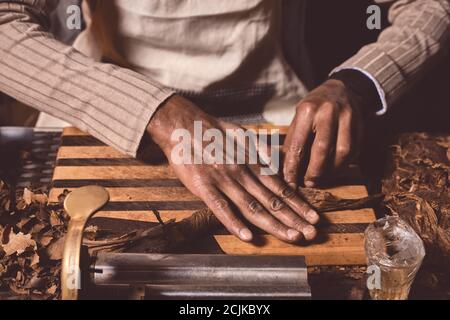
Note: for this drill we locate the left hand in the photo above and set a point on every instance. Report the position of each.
(329, 122)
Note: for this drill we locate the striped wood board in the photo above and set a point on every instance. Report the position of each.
(136, 187)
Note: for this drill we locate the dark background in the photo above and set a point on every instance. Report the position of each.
(336, 30)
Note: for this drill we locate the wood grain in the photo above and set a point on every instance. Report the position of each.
(341, 249)
(136, 188)
(338, 217)
(113, 172)
(82, 152)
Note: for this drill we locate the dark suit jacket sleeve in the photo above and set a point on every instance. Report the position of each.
(418, 35)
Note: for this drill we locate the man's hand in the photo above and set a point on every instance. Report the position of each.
(263, 200)
(329, 126)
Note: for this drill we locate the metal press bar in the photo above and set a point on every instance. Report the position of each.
(198, 270)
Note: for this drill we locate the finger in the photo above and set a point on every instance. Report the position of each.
(276, 206)
(277, 186)
(221, 208)
(255, 213)
(358, 131)
(344, 140)
(325, 139)
(294, 147)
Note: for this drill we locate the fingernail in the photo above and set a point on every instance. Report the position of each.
(245, 234)
(293, 234)
(309, 184)
(312, 216)
(310, 232)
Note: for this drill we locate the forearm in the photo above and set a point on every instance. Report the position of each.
(418, 35)
(111, 103)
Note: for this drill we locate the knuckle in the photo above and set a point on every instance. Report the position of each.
(321, 117)
(290, 176)
(295, 151)
(343, 151)
(347, 113)
(235, 169)
(307, 107)
(276, 204)
(198, 180)
(327, 107)
(255, 207)
(326, 112)
(321, 146)
(287, 193)
(220, 204)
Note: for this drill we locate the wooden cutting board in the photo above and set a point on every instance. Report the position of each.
(136, 188)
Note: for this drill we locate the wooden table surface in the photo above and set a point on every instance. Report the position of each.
(136, 187)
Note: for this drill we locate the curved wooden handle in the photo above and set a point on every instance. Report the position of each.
(70, 272)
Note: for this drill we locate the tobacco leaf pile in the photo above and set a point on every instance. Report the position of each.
(31, 246)
(417, 183)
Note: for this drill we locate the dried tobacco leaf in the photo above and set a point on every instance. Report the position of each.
(45, 240)
(417, 182)
(36, 282)
(29, 197)
(52, 289)
(56, 249)
(18, 243)
(55, 219)
(27, 233)
(35, 260)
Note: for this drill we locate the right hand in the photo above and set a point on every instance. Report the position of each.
(266, 201)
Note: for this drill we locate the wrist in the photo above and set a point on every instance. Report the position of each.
(336, 85)
(175, 113)
(361, 90)
(160, 125)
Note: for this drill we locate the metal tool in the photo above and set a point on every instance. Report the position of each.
(205, 276)
(80, 204)
(171, 276)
